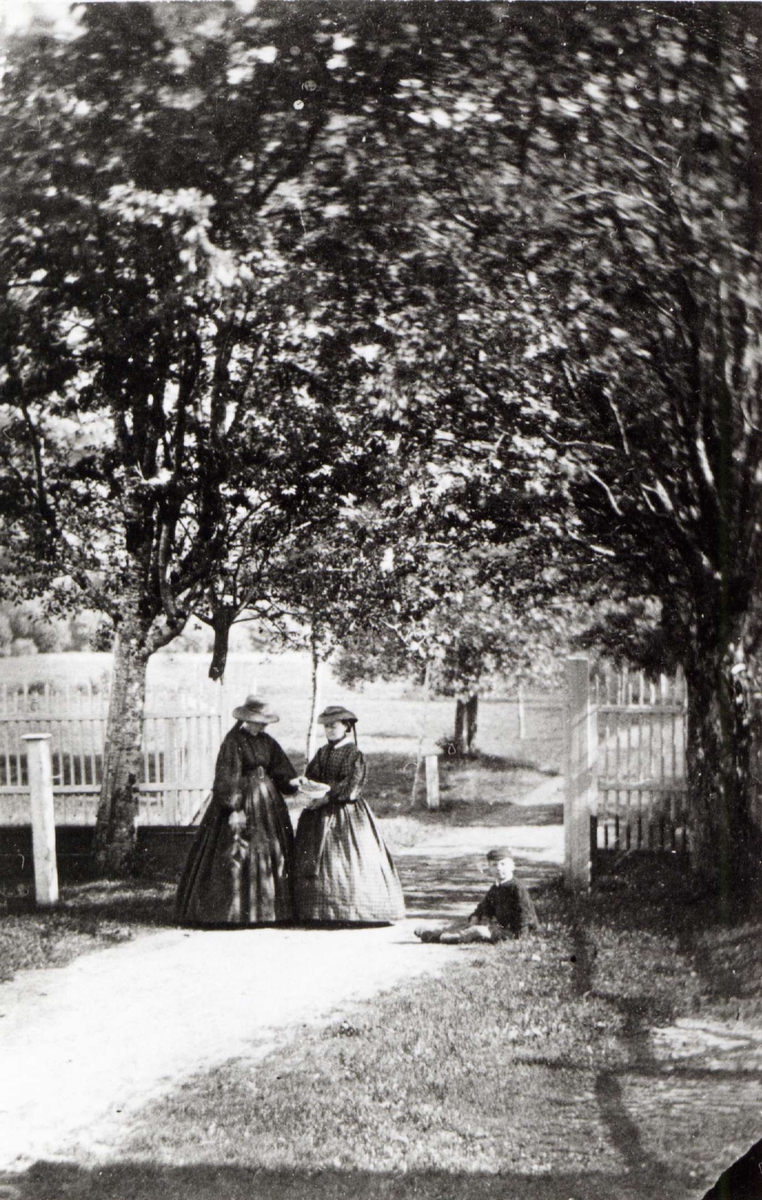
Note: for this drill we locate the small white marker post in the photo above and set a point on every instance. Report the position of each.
(40, 772)
(432, 780)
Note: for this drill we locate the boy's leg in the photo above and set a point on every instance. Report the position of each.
(462, 937)
(439, 933)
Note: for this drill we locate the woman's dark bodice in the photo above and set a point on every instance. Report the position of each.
(240, 756)
(343, 767)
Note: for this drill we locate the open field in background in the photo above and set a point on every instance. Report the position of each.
(394, 712)
(66, 695)
(393, 717)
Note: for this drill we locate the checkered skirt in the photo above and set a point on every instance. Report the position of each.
(343, 870)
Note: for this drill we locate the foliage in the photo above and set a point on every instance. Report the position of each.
(24, 629)
(269, 268)
(165, 411)
(608, 210)
(168, 422)
(205, 309)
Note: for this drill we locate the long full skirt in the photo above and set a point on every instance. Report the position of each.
(344, 871)
(246, 879)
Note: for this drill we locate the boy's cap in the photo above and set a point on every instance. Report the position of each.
(498, 853)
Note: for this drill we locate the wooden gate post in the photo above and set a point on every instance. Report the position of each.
(40, 771)
(581, 780)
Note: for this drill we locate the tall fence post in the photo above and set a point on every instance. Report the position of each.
(40, 771)
(432, 780)
(581, 780)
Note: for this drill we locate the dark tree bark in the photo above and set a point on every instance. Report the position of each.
(464, 735)
(728, 842)
(472, 712)
(223, 621)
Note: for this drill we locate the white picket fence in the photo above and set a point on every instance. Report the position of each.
(183, 724)
(625, 769)
(640, 761)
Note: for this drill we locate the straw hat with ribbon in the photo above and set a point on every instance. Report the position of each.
(336, 712)
(255, 709)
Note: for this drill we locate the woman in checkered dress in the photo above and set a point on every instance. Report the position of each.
(344, 872)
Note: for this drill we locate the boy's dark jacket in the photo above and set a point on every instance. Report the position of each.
(510, 905)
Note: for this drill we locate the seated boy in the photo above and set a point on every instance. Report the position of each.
(506, 911)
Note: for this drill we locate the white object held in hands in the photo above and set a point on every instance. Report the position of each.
(311, 790)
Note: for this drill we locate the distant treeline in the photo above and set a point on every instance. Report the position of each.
(25, 629)
(29, 629)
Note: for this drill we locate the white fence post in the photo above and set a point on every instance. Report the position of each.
(581, 779)
(432, 780)
(40, 772)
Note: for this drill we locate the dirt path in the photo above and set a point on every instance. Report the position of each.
(84, 1047)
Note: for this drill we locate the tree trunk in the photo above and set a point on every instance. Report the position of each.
(459, 733)
(118, 803)
(421, 732)
(317, 682)
(466, 713)
(472, 713)
(223, 620)
(727, 842)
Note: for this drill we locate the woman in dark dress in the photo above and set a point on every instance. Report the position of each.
(240, 867)
(344, 872)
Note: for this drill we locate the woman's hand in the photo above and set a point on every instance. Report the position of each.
(237, 821)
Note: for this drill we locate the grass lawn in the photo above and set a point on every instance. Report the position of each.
(529, 1070)
(90, 916)
(465, 785)
(525, 1071)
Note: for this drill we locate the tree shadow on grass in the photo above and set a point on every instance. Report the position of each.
(140, 1181)
(501, 814)
(497, 762)
(655, 894)
(104, 901)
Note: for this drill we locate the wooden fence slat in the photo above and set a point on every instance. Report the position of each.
(178, 758)
(641, 761)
